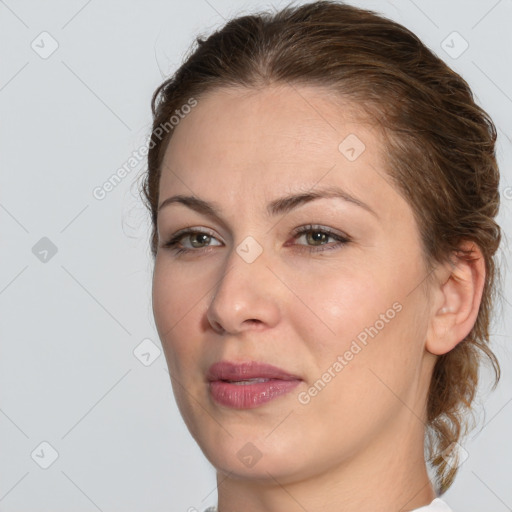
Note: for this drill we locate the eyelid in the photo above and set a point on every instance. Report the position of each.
(319, 227)
(195, 229)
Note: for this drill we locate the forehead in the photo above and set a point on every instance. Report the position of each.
(290, 132)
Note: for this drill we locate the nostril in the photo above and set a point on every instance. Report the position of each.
(217, 327)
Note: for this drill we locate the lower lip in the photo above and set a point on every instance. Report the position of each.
(249, 396)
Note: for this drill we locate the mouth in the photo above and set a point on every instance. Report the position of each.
(246, 381)
(248, 385)
(247, 371)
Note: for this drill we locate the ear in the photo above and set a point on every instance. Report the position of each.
(456, 297)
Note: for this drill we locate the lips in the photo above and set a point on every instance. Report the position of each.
(247, 372)
(248, 385)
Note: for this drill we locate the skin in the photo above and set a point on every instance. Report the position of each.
(358, 444)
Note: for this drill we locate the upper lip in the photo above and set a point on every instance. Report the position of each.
(231, 371)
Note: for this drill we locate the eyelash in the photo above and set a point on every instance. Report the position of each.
(341, 239)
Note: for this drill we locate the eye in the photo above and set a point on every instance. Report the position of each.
(188, 240)
(317, 238)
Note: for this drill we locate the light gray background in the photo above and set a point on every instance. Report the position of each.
(69, 325)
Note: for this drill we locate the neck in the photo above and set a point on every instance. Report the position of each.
(390, 475)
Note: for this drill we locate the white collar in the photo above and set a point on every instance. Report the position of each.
(437, 505)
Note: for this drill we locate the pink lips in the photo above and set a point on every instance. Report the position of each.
(248, 385)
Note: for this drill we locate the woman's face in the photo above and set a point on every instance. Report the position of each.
(327, 286)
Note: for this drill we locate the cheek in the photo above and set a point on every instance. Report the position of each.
(174, 292)
(342, 305)
(176, 304)
(374, 353)
(367, 306)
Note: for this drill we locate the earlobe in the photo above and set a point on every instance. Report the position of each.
(456, 299)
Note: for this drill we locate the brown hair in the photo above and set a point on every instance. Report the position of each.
(441, 150)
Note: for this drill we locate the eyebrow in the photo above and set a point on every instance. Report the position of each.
(276, 207)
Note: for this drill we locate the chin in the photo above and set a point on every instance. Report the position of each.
(255, 457)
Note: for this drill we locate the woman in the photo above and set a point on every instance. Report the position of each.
(323, 192)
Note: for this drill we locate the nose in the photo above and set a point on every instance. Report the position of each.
(245, 297)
